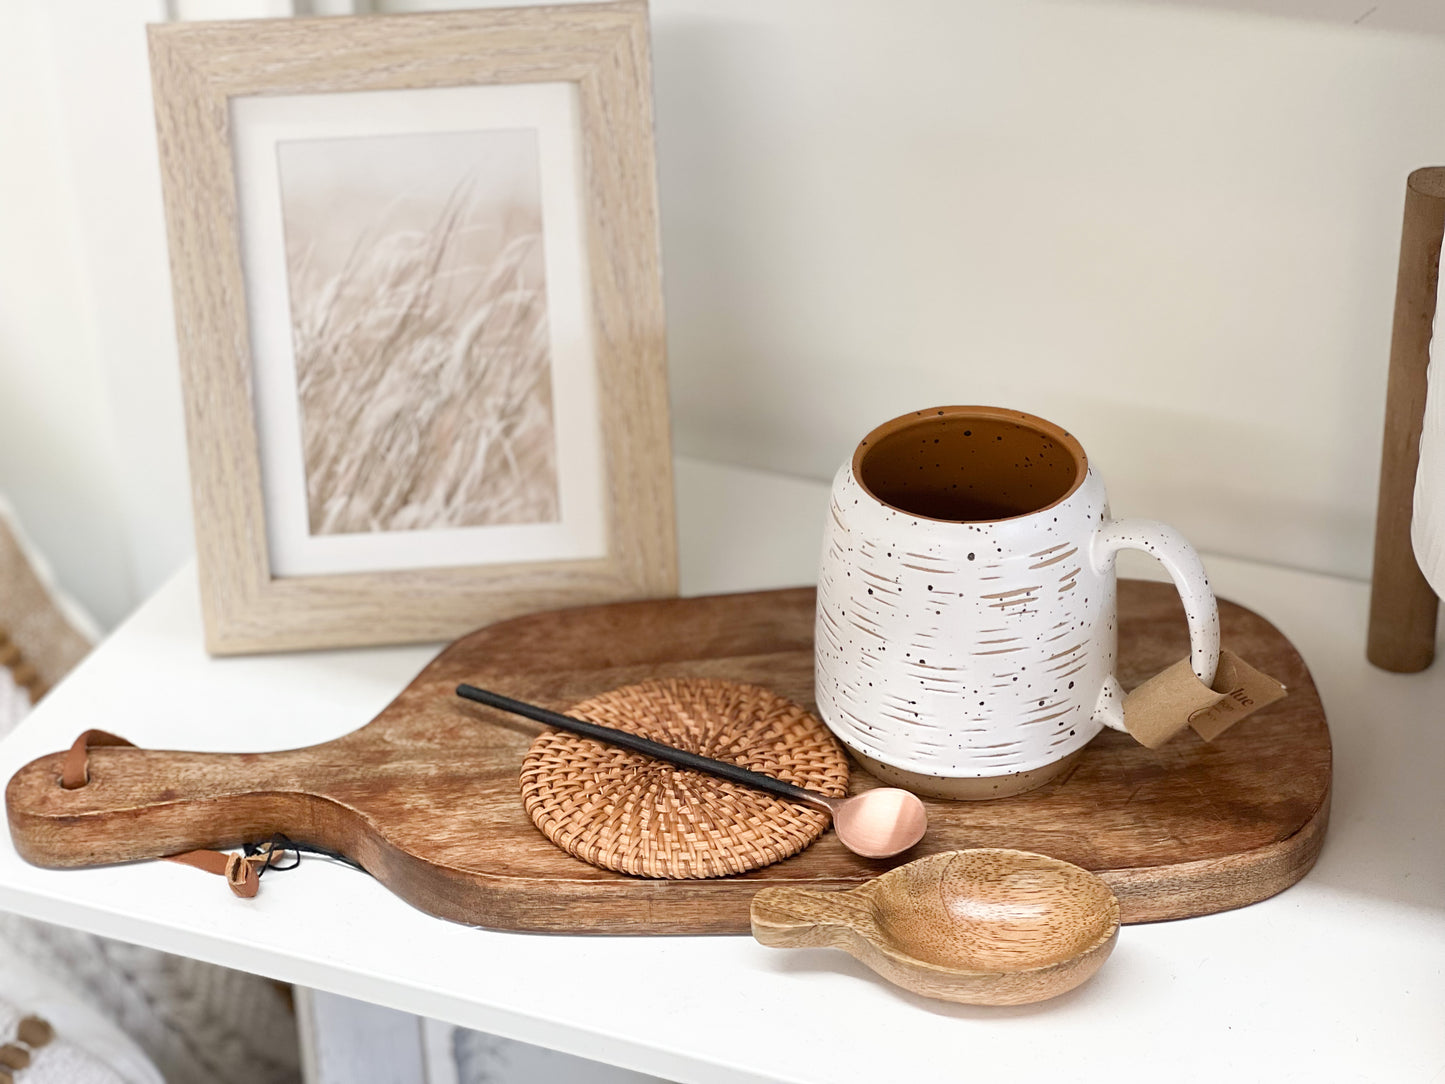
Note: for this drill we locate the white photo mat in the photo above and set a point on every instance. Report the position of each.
(260, 124)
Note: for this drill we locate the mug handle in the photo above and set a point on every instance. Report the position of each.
(1168, 546)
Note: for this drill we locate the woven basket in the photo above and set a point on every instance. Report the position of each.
(627, 812)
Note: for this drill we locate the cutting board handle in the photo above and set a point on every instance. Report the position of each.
(149, 803)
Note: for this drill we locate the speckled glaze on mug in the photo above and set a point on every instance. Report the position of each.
(966, 626)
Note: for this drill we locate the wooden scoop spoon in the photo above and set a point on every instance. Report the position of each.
(878, 823)
(984, 927)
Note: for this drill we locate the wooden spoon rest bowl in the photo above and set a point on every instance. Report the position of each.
(984, 927)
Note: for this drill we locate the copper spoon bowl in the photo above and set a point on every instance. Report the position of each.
(878, 823)
(982, 927)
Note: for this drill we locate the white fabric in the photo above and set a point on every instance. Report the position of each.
(87, 1048)
(61, 1063)
(1427, 526)
(199, 1023)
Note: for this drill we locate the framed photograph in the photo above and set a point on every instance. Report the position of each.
(419, 308)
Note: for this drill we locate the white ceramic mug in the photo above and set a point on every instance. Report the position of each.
(966, 624)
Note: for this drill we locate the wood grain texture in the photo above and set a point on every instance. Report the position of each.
(426, 796)
(197, 68)
(1403, 606)
(982, 927)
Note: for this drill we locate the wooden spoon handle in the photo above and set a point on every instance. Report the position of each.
(143, 803)
(803, 918)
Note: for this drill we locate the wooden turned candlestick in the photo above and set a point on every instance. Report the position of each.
(1403, 606)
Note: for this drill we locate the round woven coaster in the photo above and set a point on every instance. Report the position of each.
(630, 813)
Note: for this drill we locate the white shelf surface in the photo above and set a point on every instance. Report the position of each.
(1340, 978)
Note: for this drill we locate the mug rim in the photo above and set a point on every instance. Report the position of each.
(913, 418)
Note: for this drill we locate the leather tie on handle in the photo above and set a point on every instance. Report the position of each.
(242, 872)
(75, 772)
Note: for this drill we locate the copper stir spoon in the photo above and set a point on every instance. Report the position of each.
(878, 823)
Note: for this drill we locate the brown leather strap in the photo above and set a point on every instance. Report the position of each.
(210, 861)
(75, 772)
(242, 873)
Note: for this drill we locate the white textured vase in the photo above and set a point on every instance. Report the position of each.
(967, 652)
(1427, 525)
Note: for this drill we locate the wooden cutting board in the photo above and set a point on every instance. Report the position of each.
(426, 797)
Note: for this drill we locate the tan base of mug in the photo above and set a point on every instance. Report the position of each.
(971, 789)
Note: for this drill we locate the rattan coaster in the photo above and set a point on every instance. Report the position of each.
(630, 813)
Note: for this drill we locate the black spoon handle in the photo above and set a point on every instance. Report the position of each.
(646, 746)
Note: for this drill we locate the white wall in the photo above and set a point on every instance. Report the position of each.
(1172, 231)
(57, 443)
(1170, 227)
(101, 71)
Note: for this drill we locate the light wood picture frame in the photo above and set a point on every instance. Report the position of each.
(304, 539)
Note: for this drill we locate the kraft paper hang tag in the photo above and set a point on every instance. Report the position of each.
(1245, 690)
(1174, 699)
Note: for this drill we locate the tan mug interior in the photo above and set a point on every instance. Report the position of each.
(969, 464)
